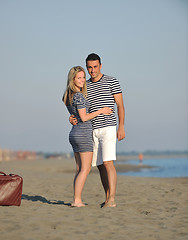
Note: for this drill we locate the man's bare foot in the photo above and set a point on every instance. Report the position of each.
(110, 204)
(77, 205)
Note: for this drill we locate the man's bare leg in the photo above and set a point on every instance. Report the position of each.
(104, 180)
(112, 182)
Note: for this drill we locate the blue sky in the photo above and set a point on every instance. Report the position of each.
(142, 43)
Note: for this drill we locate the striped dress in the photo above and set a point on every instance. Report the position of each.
(80, 136)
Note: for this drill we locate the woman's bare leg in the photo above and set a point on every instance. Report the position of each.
(78, 166)
(84, 163)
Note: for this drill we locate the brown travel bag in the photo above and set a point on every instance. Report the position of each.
(10, 189)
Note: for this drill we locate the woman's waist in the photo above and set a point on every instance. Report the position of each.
(83, 124)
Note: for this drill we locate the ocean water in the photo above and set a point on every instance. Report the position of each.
(161, 168)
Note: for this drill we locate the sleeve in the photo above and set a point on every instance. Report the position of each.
(79, 100)
(115, 86)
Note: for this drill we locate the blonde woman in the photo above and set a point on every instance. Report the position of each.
(80, 137)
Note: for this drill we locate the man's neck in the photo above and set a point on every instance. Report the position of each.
(97, 78)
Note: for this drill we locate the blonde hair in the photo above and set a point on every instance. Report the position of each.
(71, 89)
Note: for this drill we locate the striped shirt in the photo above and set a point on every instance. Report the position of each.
(100, 94)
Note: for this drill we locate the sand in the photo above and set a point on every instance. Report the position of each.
(147, 208)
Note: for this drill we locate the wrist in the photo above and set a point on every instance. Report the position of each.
(100, 111)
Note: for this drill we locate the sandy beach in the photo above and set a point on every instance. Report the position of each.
(147, 208)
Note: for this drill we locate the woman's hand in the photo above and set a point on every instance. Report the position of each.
(88, 116)
(106, 110)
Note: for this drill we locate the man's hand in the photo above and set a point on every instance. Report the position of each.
(120, 133)
(73, 120)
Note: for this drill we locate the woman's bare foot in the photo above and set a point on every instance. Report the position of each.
(78, 205)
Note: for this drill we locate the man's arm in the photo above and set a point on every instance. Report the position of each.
(73, 120)
(121, 116)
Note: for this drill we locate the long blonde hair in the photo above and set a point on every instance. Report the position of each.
(71, 89)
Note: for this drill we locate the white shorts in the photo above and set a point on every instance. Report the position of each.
(104, 145)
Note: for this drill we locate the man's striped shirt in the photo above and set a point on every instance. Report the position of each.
(100, 94)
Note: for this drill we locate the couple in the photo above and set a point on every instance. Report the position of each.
(93, 135)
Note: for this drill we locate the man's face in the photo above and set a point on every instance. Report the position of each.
(94, 69)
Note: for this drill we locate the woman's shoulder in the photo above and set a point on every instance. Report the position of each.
(78, 97)
(78, 94)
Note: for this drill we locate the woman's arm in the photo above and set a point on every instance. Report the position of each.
(88, 116)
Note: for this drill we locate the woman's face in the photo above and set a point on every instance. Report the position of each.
(79, 80)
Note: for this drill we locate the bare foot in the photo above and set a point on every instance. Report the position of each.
(110, 204)
(77, 205)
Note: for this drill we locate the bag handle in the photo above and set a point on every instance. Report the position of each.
(11, 174)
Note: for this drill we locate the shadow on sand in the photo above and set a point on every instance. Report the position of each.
(43, 200)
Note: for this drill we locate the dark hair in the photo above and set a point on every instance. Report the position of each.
(93, 57)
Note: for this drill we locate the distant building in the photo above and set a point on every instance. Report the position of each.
(10, 155)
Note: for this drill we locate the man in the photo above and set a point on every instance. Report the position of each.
(105, 91)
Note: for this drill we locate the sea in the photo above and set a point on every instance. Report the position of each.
(161, 168)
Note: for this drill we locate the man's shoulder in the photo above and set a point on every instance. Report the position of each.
(107, 77)
(110, 80)
(88, 81)
(104, 77)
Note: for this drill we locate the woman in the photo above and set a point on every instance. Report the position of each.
(80, 137)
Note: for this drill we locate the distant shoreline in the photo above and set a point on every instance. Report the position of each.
(150, 156)
(120, 156)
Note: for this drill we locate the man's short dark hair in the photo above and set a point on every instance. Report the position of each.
(93, 57)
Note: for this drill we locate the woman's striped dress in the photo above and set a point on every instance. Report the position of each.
(80, 136)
